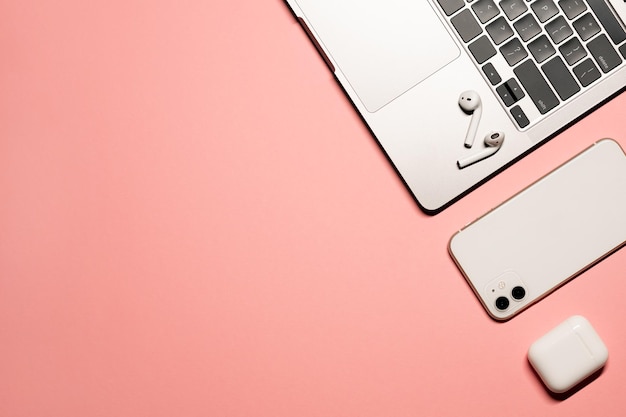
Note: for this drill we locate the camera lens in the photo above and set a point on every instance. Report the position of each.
(502, 303)
(518, 293)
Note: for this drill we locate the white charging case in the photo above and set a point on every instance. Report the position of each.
(568, 354)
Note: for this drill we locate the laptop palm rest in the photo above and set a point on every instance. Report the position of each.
(382, 47)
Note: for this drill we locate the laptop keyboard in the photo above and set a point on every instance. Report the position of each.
(539, 54)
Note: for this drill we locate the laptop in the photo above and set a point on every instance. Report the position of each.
(412, 67)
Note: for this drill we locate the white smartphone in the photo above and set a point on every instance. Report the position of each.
(547, 233)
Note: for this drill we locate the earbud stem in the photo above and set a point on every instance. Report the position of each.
(473, 127)
(472, 159)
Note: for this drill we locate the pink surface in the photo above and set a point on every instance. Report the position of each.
(194, 222)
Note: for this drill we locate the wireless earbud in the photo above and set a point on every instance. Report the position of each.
(470, 103)
(493, 141)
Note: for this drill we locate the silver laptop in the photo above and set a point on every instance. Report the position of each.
(455, 90)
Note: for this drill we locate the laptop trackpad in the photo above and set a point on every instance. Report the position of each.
(383, 47)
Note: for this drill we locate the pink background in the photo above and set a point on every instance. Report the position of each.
(195, 222)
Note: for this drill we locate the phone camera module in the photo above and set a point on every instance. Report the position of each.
(502, 303)
(518, 293)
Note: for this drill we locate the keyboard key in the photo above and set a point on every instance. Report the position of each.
(604, 53)
(466, 24)
(485, 10)
(573, 51)
(515, 89)
(622, 49)
(527, 27)
(510, 92)
(499, 30)
(536, 86)
(572, 8)
(491, 73)
(513, 8)
(587, 27)
(513, 52)
(505, 95)
(560, 78)
(608, 21)
(544, 10)
(587, 72)
(541, 48)
(451, 6)
(482, 49)
(559, 30)
(520, 117)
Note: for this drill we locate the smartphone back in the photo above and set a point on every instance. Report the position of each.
(548, 233)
